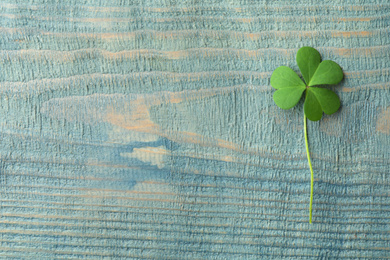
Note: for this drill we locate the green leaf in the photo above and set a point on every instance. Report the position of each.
(290, 87)
(288, 97)
(329, 100)
(308, 60)
(328, 72)
(312, 107)
(285, 77)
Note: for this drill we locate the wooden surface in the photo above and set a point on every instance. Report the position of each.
(146, 130)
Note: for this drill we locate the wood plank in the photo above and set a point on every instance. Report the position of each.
(147, 130)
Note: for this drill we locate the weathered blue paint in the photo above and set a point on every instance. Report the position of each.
(146, 129)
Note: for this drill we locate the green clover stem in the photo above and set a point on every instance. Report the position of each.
(311, 168)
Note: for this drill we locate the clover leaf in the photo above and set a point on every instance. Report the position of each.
(290, 87)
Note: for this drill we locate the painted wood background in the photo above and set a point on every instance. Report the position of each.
(145, 129)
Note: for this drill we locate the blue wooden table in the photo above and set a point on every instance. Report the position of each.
(147, 130)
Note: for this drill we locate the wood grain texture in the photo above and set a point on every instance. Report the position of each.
(147, 130)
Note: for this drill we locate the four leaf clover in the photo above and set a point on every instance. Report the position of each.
(290, 87)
